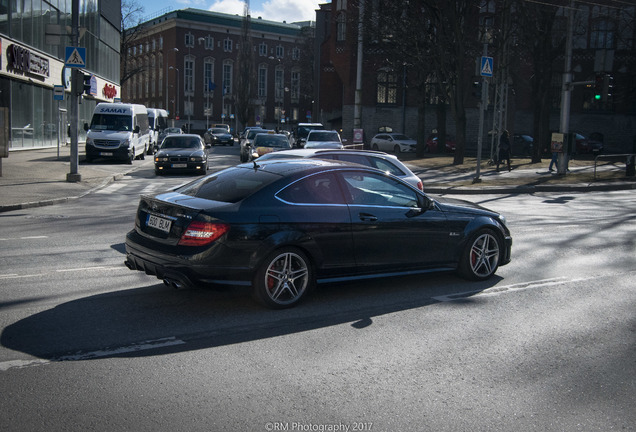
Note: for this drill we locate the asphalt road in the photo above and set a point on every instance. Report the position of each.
(548, 344)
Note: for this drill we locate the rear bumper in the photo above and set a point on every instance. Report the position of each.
(186, 270)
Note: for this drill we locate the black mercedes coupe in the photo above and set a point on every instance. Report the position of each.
(281, 226)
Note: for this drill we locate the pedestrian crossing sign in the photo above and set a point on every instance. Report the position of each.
(486, 66)
(75, 57)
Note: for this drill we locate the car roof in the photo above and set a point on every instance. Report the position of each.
(306, 153)
(186, 136)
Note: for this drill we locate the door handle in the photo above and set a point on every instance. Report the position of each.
(367, 217)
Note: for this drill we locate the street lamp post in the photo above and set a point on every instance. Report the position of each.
(166, 77)
(177, 107)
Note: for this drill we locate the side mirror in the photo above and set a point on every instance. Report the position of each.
(86, 127)
(137, 129)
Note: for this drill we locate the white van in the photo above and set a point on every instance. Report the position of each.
(157, 122)
(118, 131)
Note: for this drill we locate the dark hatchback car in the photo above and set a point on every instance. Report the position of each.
(218, 136)
(185, 152)
(282, 226)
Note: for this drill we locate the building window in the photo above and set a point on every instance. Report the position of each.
(227, 45)
(209, 43)
(602, 34)
(188, 75)
(208, 74)
(227, 77)
(341, 4)
(341, 31)
(262, 49)
(189, 40)
(280, 51)
(295, 86)
(295, 53)
(279, 82)
(387, 87)
(262, 81)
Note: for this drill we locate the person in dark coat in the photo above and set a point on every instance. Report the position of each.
(504, 149)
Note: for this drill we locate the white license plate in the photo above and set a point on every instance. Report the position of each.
(179, 165)
(159, 223)
(105, 153)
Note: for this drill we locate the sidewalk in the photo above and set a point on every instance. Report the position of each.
(32, 178)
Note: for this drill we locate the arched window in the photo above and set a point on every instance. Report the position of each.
(341, 22)
(602, 34)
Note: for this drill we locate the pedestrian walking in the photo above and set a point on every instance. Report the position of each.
(554, 162)
(504, 149)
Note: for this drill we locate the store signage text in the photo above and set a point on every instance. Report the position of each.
(22, 60)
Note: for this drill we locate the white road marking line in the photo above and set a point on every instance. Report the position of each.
(24, 238)
(107, 352)
(82, 269)
(496, 290)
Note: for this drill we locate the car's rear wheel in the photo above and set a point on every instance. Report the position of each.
(480, 258)
(283, 278)
(374, 147)
(396, 149)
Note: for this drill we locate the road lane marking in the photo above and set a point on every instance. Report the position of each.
(496, 290)
(79, 269)
(89, 355)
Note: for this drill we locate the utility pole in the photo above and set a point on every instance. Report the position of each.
(566, 94)
(73, 175)
(357, 108)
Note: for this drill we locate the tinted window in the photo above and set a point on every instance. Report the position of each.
(178, 142)
(230, 185)
(377, 190)
(386, 166)
(316, 189)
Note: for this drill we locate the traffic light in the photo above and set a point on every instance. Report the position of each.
(599, 83)
(87, 84)
(477, 89)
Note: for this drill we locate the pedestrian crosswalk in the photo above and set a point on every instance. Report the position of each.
(129, 186)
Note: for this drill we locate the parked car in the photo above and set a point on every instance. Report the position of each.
(522, 144)
(301, 132)
(218, 136)
(282, 226)
(265, 143)
(374, 159)
(592, 144)
(185, 152)
(168, 131)
(323, 139)
(395, 142)
(432, 144)
(246, 142)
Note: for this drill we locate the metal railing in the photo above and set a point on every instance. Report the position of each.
(627, 157)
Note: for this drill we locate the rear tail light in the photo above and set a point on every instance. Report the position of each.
(202, 233)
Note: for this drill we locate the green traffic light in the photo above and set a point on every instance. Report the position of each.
(597, 97)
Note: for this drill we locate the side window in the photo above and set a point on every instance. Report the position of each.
(370, 189)
(316, 189)
(386, 166)
(361, 160)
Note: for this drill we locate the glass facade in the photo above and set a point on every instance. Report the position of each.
(36, 118)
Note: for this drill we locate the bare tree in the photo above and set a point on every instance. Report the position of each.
(132, 33)
(245, 74)
(544, 41)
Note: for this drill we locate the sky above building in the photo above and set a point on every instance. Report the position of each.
(274, 10)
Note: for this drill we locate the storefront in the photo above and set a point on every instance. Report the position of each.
(27, 80)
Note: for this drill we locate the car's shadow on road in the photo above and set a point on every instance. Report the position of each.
(155, 319)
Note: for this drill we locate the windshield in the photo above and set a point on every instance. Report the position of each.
(303, 131)
(323, 136)
(111, 122)
(230, 185)
(264, 140)
(179, 142)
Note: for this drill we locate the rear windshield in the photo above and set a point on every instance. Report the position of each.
(231, 185)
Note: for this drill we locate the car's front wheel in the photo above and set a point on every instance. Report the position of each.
(480, 258)
(283, 278)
